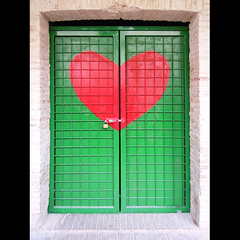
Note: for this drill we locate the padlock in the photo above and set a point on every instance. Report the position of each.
(105, 124)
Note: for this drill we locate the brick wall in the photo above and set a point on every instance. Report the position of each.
(194, 11)
(199, 115)
(39, 118)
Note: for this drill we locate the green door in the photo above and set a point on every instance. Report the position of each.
(119, 119)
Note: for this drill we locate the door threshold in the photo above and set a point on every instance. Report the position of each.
(119, 221)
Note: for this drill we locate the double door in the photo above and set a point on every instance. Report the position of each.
(119, 119)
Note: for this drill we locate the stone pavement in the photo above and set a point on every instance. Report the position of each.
(135, 226)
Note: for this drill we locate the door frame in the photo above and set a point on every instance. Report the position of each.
(168, 30)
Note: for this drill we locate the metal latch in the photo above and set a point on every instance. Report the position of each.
(112, 120)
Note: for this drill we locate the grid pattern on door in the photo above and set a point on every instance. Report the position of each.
(82, 151)
(84, 166)
(156, 172)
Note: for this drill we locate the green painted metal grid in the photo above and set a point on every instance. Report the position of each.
(56, 31)
(84, 172)
(156, 147)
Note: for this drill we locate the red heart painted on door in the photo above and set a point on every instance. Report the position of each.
(95, 80)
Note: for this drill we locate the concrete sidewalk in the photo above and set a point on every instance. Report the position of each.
(134, 226)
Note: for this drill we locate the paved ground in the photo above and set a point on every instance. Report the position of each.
(120, 227)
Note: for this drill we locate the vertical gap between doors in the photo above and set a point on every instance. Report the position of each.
(119, 61)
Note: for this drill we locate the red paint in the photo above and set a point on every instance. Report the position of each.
(95, 80)
(146, 77)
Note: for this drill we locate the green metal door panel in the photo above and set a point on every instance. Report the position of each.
(151, 100)
(84, 168)
(154, 148)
